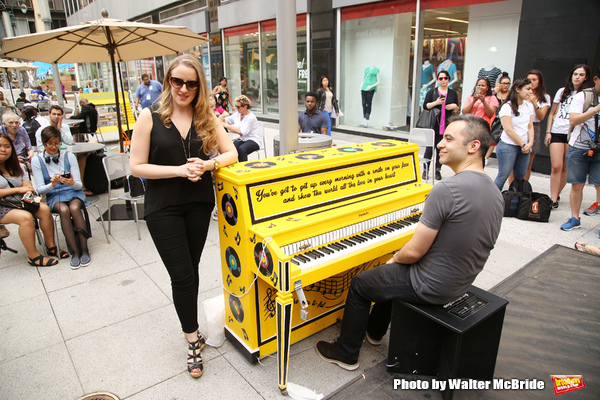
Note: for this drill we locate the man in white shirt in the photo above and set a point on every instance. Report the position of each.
(56, 120)
(582, 159)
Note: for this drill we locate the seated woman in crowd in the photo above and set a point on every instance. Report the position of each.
(13, 181)
(56, 174)
(244, 123)
(516, 141)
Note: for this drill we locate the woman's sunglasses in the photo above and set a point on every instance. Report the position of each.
(443, 78)
(178, 83)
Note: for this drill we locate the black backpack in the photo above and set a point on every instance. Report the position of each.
(512, 196)
(94, 177)
(31, 126)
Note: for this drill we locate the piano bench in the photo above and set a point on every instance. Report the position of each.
(456, 340)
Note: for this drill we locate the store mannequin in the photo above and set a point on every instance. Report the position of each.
(427, 79)
(367, 91)
(491, 72)
(449, 66)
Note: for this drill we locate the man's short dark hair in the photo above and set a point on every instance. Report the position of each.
(144, 76)
(22, 94)
(476, 129)
(55, 107)
(313, 94)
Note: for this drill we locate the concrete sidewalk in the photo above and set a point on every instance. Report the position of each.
(112, 326)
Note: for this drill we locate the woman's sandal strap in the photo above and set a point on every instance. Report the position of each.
(53, 251)
(194, 360)
(39, 261)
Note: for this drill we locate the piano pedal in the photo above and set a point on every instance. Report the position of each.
(301, 299)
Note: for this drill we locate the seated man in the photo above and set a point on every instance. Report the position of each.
(56, 120)
(312, 120)
(449, 247)
(90, 116)
(243, 122)
(18, 135)
(22, 100)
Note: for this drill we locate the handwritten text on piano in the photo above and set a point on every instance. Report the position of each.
(326, 186)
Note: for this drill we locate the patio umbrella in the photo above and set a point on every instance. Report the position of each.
(102, 40)
(10, 65)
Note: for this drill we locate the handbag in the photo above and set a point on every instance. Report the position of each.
(16, 201)
(134, 185)
(534, 207)
(428, 119)
(496, 130)
(518, 189)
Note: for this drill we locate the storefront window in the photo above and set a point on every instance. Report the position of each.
(375, 65)
(242, 58)
(269, 91)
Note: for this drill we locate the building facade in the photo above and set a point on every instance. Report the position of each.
(348, 39)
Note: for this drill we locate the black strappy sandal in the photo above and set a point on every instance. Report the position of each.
(194, 360)
(39, 261)
(53, 252)
(202, 341)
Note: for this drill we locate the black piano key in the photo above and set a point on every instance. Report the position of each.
(319, 253)
(351, 239)
(295, 261)
(368, 235)
(326, 249)
(379, 232)
(348, 242)
(386, 228)
(303, 258)
(359, 239)
(395, 226)
(312, 255)
(336, 246)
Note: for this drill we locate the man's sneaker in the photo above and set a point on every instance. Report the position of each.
(331, 353)
(373, 342)
(594, 208)
(572, 223)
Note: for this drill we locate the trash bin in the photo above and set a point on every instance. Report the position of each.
(306, 142)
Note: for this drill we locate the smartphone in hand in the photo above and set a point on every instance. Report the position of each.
(66, 175)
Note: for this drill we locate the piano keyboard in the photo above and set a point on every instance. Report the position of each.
(320, 249)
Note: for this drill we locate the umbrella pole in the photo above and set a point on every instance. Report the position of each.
(7, 79)
(114, 73)
(123, 94)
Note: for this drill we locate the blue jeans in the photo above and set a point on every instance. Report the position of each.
(580, 165)
(510, 159)
(328, 121)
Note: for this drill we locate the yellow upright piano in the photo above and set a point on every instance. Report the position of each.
(295, 229)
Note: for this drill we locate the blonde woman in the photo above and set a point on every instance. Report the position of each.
(172, 146)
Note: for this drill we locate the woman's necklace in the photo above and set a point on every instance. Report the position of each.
(183, 141)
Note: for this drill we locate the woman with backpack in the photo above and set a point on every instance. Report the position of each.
(516, 141)
(558, 128)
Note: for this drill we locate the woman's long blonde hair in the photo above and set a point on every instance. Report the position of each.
(205, 122)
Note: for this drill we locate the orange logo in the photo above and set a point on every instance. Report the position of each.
(567, 383)
(535, 207)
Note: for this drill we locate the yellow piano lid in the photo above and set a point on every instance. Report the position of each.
(313, 160)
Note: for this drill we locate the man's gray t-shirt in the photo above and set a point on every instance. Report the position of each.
(467, 211)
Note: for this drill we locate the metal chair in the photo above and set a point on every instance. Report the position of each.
(116, 166)
(425, 137)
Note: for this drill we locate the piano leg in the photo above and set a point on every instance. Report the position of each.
(284, 330)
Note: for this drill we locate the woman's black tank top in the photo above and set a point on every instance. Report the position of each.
(167, 147)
